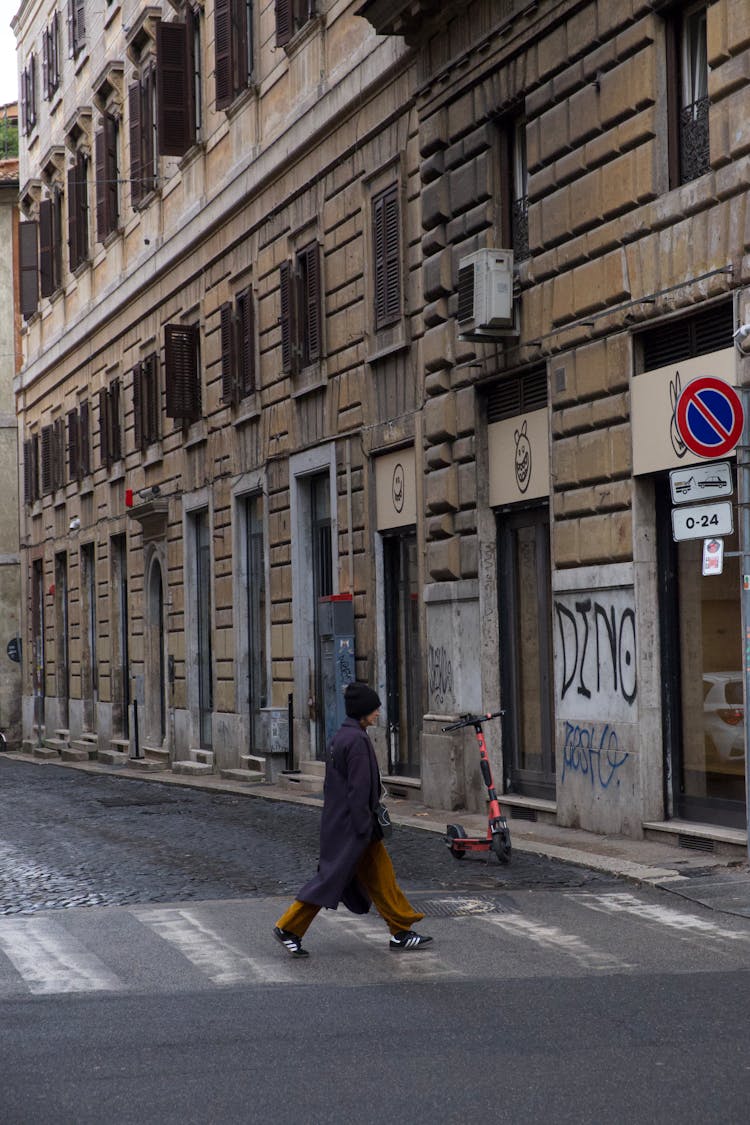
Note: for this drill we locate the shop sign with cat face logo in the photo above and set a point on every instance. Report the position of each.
(522, 458)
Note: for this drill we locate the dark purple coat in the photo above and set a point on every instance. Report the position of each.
(350, 796)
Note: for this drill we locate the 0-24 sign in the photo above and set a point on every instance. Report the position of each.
(701, 521)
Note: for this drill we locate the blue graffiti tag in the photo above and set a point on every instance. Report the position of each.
(581, 754)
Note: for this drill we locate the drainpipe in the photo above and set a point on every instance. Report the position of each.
(349, 513)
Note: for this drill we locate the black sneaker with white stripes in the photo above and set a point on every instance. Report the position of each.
(291, 942)
(408, 939)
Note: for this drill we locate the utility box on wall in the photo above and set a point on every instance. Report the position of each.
(336, 627)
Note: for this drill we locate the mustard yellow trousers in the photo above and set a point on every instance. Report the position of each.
(375, 873)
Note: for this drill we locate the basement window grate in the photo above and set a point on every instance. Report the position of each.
(519, 812)
(520, 394)
(696, 844)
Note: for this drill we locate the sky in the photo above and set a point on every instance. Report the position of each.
(8, 66)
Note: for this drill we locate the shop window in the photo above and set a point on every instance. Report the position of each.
(78, 211)
(106, 149)
(301, 320)
(386, 237)
(238, 348)
(233, 45)
(110, 429)
(182, 372)
(146, 401)
(51, 57)
(291, 15)
(687, 95)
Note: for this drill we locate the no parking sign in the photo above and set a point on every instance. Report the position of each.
(709, 416)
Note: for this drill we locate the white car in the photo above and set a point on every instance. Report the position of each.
(724, 716)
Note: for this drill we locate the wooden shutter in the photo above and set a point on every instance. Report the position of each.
(71, 28)
(82, 173)
(181, 371)
(172, 89)
(28, 260)
(46, 253)
(111, 170)
(192, 27)
(83, 422)
(246, 342)
(73, 211)
(239, 45)
(287, 317)
(386, 247)
(28, 472)
(58, 454)
(284, 21)
(229, 383)
(105, 455)
(74, 446)
(136, 164)
(80, 23)
(115, 434)
(152, 398)
(54, 59)
(100, 166)
(309, 262)
(47, 459)
(223, 52)
(46, 62)
(138, 435)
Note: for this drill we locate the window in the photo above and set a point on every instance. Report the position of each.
(141, 97)
(182, 372)
(301, 292)
(386, 237)
(28, 95)
(233, 44)
(519, 394)
(31, 482)
(146, 401)
(76, 27)
(53, 456)
(291, 15)
(79, 445)
(110, 433)
(513, 189)
(674, 341)
(28, 260)
(51, 57)
(238, 348)
(176, 85)
(687, 96)
(78, 211)
(106, 149)
(50, 243)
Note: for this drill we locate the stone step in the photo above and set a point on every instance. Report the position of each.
(86, 745)
(112, 758)
(312, 768)
(156, 754)
(191, 767)
(248, 777)
(147, 765)
(206, 757)
(122, 745)
(57, 744)
(44, 752)
(75, 753)
(253, 762)
(63, 734)
(304, 782)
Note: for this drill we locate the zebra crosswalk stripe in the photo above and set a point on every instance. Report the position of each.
(50, 960)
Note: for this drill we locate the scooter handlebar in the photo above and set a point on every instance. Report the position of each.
(473, 720)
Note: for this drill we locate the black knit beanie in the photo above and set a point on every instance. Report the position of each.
(360, 700)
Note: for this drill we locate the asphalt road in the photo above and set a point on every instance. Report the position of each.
(139, 982)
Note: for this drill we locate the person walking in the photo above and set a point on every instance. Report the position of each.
(355, 867)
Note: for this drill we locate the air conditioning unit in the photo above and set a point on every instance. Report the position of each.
(485, 295)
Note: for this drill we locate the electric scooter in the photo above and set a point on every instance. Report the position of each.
(497, 839)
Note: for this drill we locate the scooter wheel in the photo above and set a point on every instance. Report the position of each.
(500, 845)
(456, 832)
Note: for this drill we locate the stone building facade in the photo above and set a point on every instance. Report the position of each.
(269, 442)
(10, 359)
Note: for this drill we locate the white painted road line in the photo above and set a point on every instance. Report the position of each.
(50, 960)
(551, 937)
(685, 923)
(204, 947)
